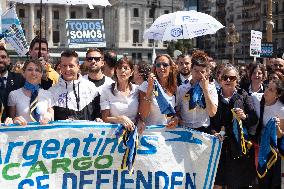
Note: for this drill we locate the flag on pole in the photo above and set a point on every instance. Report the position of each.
(13, 32)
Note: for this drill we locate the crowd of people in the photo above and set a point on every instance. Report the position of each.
(237, 104)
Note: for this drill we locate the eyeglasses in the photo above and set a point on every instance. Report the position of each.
(90, 59)
(231, 78)
(164, 64)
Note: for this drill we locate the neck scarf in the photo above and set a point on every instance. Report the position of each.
(196, 97)
(35, 116)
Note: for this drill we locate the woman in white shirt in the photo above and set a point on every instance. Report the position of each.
(119, 102)
(165, 73)
(30, 103)
(270, 105)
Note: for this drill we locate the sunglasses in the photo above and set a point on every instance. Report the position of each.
(90, 59)
(160, 64)
(231, 78)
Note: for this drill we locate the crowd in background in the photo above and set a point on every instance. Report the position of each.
(198, 93)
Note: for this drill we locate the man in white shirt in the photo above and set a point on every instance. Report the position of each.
(95, 63)
(184, 64)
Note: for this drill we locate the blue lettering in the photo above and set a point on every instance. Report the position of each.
(41, 178)
(73, 178)
(46, 148)
(98, 146)
(157, 179)
(124, 181)
(69, 141)
(121, 148)
(115, 179)
(82, 178)
(143, 142)
(33, 157)
(188, 181)
(30, 182)
(88, 141)
(173, 179)
(99, 177)
(140, 178)
(108, 141)
(11, 146)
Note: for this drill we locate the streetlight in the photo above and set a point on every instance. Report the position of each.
(232, 37)
(153, 5)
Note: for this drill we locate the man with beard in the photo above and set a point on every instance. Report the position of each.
(184, 64)
(9, 81)
(95, 63)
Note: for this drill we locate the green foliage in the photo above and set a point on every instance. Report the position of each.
(183, 45)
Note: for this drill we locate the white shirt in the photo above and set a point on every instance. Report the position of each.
(119, 104)
(155, 117)
(182, 78)
(197, 117)
(6, 76)
(18, 99)
(275, 110)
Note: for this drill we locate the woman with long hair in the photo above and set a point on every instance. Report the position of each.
(164, 73)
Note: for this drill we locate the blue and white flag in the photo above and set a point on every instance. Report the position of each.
(13, 32)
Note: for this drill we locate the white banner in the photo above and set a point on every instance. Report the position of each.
(255, 43)
(87, 155)
(13, 32)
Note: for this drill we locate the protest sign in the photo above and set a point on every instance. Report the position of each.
(267, 50)
(13, 32)
(85, 33)
(87, 155)
(255, 43)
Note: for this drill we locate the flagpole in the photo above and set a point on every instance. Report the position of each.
(39, 52)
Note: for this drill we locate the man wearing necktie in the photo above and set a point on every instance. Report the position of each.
(9, 81)
(184, 64)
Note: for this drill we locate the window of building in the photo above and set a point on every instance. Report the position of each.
(166, 11)
(282, 26)
(134, 57)
(56, 14)
(73, 14)
(55, 36)
(89, 15)
(135, 36)
(135, 12)
(22, 13)
(276, 8)
(151, 13)
(149, 57)
(139, 56)
(276, 25)
(38, 14)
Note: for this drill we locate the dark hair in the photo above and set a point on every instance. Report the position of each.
(278, 73)
(110, 58)
(2, 48)
(280, 89)
(183, 56)
(36, 61)
(69, 53)
(94, 50)
(254, 66)
(121, 61)
(172, 79)
(38, 40)
(199, 58)
(145, 69)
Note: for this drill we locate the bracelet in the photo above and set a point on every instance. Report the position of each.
(148, 99)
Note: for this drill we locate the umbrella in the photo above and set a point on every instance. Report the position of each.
(182, 25)
(62, 2)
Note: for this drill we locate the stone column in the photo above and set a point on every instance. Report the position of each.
(144, 26)
(67, 16)
(49, 25)
(101, 13)
(128, 32)
(31, 22)
(84, 11)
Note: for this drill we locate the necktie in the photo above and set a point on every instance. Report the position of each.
(2, 84)
(186, 81)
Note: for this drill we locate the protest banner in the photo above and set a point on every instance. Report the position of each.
(87, 155)
(267, 50)
(85, 33)
(255, 43)
(13, 32)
